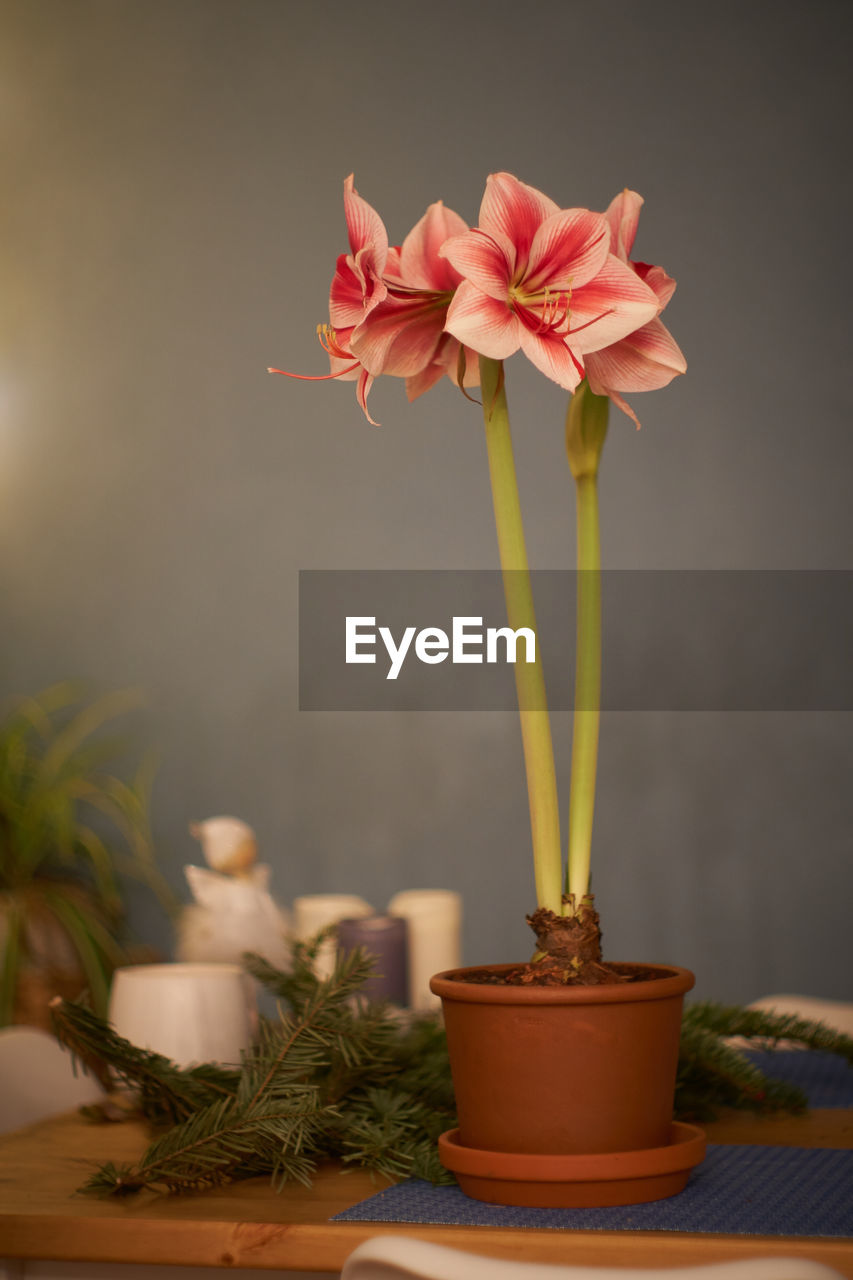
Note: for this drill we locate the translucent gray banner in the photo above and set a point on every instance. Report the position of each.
(674, 640)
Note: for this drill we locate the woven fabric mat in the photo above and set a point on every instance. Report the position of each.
(737, 1190)
(826, 1078)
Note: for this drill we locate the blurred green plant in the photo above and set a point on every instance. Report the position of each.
(70, 827)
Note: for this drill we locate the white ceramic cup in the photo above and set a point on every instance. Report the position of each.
(434, 917)
(190, 1012)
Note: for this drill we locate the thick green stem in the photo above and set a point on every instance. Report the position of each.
(586, 427)
(529, 677)
(587, 688)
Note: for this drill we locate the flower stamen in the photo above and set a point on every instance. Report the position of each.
(329, 342)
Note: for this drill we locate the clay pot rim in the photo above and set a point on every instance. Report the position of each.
(685, 1149)
(450, 984)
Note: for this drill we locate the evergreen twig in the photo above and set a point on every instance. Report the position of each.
(714, 1074)
(754, 1024)
(167, 1094)
(333, 1076)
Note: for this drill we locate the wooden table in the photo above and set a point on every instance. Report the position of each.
(249, 1225)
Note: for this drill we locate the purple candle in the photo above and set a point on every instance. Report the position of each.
(386, 938)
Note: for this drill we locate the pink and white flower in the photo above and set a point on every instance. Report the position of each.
(404, 335)
(388, 305)
(541, 279)
(649, 357)
(357, 288)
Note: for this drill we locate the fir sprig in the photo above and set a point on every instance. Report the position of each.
(333, 1076)
(713, 1074)
(756, 1024)
(167, 1094)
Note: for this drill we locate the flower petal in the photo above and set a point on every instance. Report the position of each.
(365, 382)
(623, 215)
(657, 279)
(393, 272)
(420, 264)
(400, 335)
(418, 383)
(513, 209)
(647, 359)
(351, 295)
(569, 249)
(625, 407)
(612, 305)
(448, 354)
(552, 356)
(483, 323)
(445, 361)
(366, 228)
(486, 261)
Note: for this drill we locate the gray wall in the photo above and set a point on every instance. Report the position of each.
(170, 219)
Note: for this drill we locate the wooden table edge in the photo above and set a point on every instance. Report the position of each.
(324, 1246)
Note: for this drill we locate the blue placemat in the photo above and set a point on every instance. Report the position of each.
(826, 1079)
(737, 1190)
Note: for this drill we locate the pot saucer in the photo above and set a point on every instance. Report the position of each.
(575, 1181)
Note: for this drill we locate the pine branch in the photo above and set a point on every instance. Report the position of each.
(711, 1075)
(323, 1022)
(752, 1024)
(281, 1116)
(391, 1134)
(168, 1094)
(272, 1135)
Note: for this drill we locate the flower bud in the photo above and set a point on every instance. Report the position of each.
(586, 427)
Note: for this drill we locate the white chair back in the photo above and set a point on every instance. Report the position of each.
(37, 1079)
(398, 1258)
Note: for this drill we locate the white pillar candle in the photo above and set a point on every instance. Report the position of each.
(316, 910)
(435, 922)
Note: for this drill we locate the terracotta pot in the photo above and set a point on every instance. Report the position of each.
(576, 1073)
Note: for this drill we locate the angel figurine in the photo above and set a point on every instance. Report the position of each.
(232, 909)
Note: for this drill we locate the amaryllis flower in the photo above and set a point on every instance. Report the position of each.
(357, 288)
(649, 357)
(403, 335)
(387, 306)
(542, 279)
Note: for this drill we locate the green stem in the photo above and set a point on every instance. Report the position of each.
(529, 677)
(587, 688)
(586, 428)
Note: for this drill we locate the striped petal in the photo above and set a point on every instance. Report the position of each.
(644, 361)
(418, 383)
(365, 382)
(365, 227)
(351, 295)
(420, 265)
(568, 250)
(623, 215)
(487, 261)
(514, 210)
(612, 305)
(657, 279)
(483, 323)
(552, 356)
(399, 336)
